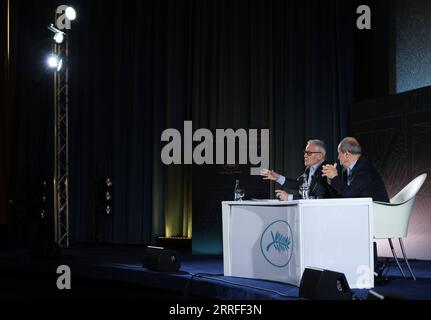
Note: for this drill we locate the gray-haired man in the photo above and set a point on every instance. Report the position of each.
(314, 158)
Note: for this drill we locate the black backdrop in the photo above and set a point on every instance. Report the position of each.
(395, 132)
(3, 101)
(139, 67)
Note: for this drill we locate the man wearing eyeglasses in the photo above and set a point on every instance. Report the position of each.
(314, 158)
(357, 178)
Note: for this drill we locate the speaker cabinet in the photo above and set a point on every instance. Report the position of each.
(160, 259)
(318, 284)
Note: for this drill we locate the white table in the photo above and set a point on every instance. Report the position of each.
(276, 240)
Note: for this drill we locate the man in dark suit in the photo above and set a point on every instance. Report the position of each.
(314, 158)
(357, 178)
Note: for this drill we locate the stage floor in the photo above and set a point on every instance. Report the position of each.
(117, 272)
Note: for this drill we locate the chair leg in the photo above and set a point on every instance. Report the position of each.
(405, 257)
(396, 259)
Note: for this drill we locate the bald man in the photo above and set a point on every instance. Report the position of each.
(357, 178)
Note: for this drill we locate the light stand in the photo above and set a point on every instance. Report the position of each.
(61, 147)
(61, 126)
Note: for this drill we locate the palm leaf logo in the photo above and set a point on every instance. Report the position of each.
(281, 243)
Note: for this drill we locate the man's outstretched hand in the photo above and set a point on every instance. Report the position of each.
(269, 175)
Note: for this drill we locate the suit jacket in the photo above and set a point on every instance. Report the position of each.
(318, 185)
(366, 182)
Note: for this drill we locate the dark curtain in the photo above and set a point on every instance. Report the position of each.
(139, 67)
(4, 76)
(29, 116)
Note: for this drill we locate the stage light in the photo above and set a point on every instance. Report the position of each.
(58, 37)
(52, 61)
(70, 13)
(60, 64)
(55, 62)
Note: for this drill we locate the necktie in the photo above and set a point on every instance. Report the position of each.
(349, 176)
(310, 175)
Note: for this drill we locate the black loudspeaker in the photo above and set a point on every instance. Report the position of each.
(317, 284)
(105, 197)
(160, 259)
(373, 295)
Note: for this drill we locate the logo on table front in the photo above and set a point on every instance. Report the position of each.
(276, 243)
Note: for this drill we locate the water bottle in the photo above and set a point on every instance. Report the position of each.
(235, 190)
(305, 188)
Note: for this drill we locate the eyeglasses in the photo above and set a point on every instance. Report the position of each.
(309, 153)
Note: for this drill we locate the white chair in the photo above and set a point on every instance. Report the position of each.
(391, 220)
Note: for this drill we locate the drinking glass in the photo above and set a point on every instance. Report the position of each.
(240, 194)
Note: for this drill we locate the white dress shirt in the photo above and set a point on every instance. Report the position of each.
(282, 179)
